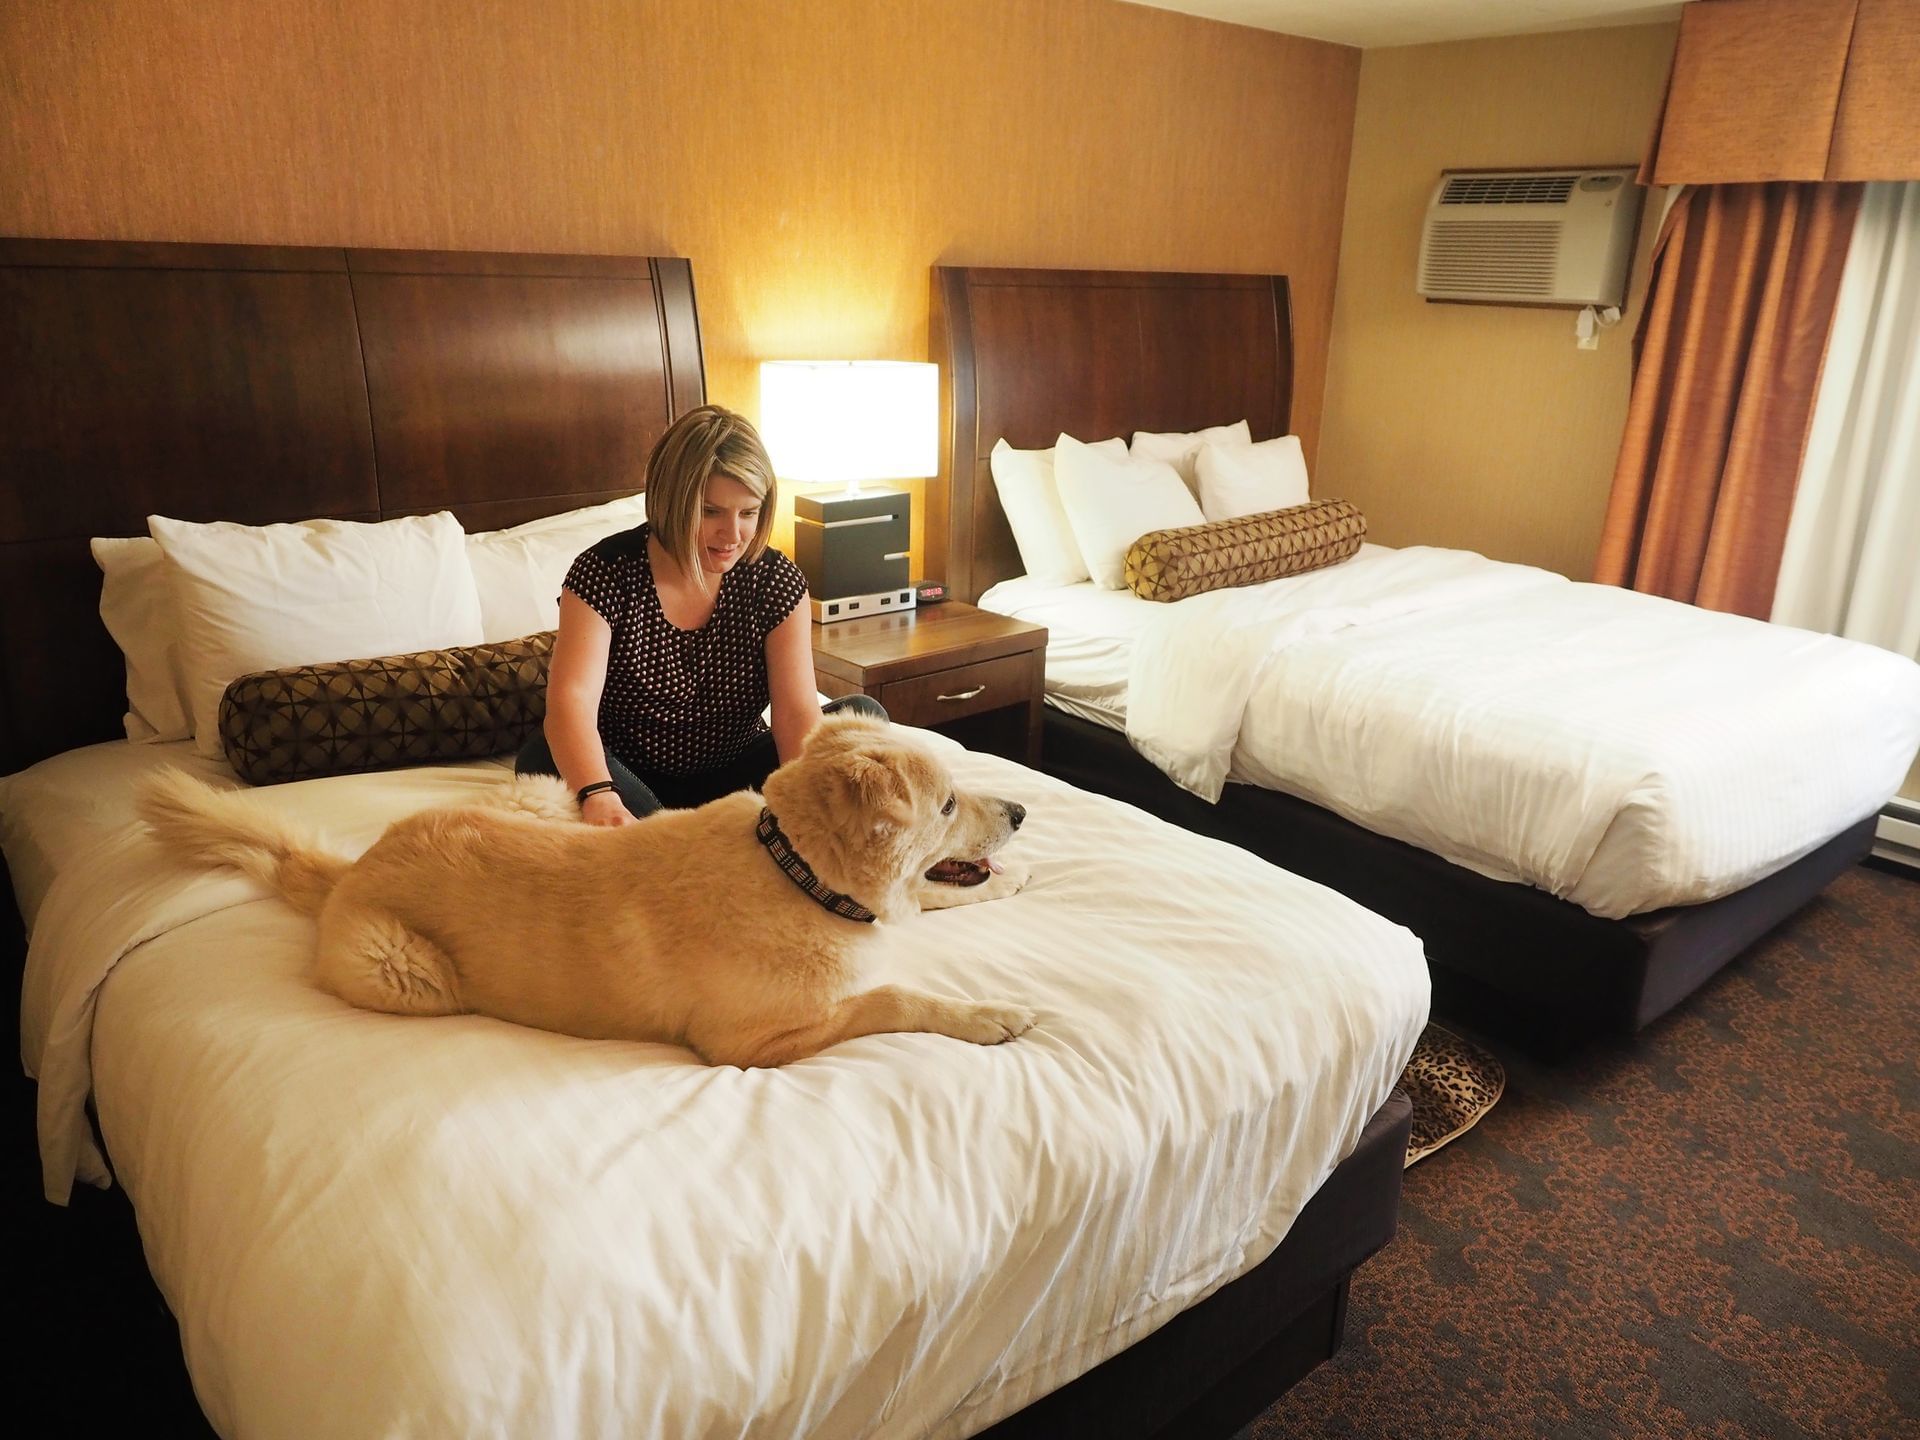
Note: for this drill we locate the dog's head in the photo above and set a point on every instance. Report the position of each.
(873, 812)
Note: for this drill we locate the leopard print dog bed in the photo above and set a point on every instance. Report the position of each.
(1452, 1083)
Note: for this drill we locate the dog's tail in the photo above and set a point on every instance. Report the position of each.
(215, 827)
(544, 797)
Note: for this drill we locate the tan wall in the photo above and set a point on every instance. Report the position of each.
(1475, 426)
(812, 157)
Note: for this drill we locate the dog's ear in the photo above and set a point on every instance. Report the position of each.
(875, 792)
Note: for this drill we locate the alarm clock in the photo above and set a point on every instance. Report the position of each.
(930, 592)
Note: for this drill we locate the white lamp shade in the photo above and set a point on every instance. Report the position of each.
(851, 420)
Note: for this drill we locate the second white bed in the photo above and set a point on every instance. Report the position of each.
(1617, 750)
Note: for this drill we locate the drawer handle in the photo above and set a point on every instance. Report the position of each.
(964, 694)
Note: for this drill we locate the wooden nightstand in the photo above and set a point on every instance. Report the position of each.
(966, 672)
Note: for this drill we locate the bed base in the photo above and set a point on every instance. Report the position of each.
(1486, 939)
(1212, 1368)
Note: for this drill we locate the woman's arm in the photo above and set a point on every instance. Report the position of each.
(796, 700)
(575, 677)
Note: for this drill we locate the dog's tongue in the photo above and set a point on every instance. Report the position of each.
(988, 861)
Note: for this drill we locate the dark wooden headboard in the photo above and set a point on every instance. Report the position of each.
(258, 384)
(1026, 355)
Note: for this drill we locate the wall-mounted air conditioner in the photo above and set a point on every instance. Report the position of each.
(1530, 237)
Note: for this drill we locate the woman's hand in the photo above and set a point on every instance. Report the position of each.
(605, 807)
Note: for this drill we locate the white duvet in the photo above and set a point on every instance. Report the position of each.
(1618, 750)
(376, 1226)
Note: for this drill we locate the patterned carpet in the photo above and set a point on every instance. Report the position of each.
(1711, 1232)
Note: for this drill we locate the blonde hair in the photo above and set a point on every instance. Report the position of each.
(702, 443)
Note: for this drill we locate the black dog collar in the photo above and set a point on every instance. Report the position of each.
(797, 870)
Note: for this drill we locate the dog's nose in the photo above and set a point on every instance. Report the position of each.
(1015, 812)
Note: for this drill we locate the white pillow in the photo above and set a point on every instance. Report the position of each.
(518, 571)
(1030, 496)
(1238, 480)
(1181, 448)
(136, 602)
(1113, 501)
(257, 597)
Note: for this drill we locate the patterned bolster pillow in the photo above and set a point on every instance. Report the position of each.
(353, 715)
(1173, 564)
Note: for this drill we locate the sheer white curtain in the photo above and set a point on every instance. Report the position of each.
(1852, 560)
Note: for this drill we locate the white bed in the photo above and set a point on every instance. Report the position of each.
(370, 1225)
(1622, 752)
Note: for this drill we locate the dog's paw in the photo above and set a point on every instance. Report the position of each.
(992, 1024)
(1011, 880)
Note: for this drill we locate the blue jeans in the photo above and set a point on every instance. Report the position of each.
(645, 791)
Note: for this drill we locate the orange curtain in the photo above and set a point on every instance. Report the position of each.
(1726, 365)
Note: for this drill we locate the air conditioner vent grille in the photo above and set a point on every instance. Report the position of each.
(1508, 189)
(1496, 257)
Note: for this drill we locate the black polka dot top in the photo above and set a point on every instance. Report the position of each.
(678, 701)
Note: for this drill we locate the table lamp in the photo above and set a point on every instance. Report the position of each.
(848, 423)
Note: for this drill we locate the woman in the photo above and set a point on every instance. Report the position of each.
(675, 635)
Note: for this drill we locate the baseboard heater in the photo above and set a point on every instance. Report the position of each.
(1898, 836)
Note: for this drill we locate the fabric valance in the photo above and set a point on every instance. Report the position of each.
(1767, 90)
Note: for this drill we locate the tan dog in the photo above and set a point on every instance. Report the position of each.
(690, 926)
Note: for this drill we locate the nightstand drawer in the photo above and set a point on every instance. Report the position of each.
(963, 690)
